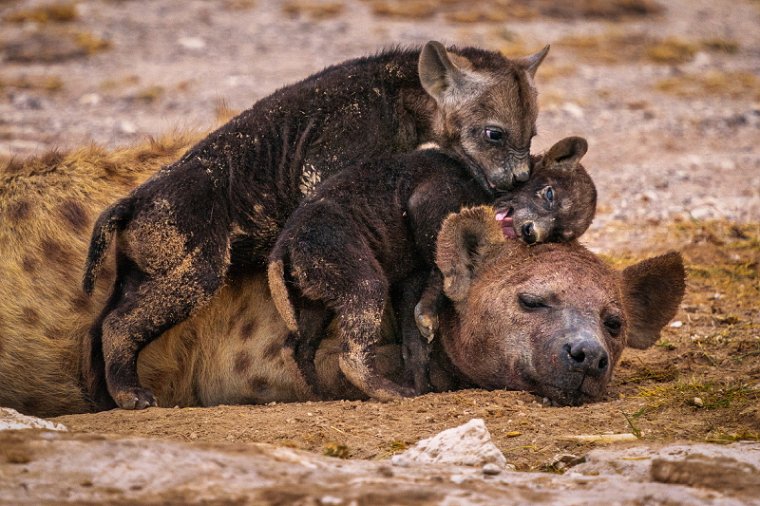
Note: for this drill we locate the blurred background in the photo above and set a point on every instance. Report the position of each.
(666, 92)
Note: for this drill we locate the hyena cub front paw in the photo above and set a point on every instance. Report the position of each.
(427, 321)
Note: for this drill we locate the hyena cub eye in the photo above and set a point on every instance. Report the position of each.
(547, 193)
(494, 135)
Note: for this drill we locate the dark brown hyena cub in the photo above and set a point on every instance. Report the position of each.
(372, 230)
(219, 209)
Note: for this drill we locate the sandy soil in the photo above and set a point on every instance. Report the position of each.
(669, 102)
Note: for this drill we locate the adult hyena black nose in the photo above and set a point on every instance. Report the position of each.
(586, 356)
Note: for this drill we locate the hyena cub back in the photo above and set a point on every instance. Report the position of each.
(557, 204)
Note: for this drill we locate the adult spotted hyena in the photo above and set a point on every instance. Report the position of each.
(223, 204)
(551, 319)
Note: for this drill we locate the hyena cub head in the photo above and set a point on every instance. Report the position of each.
(486, 109)
(557, 203)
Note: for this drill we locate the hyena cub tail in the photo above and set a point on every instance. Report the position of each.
(112, 219)
(279, 289)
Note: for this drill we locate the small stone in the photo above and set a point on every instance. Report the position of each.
(127, 127)
(491, 469)
(10, 419)
(467, 445)
(573, 110)
(90, 99)
(563, 461)
(677, 324)
(702, 213)
(698, 402)
(193, 43)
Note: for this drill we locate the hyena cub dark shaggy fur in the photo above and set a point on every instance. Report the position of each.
(220, 207)
(368, 231)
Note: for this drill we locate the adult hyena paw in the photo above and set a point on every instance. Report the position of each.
(135, 398)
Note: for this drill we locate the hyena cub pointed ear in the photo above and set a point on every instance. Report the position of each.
(438, 73)
(532, 62)
(569, 150)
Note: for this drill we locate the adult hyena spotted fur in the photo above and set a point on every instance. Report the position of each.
(227, 198)
(229, 351)
(48, 205)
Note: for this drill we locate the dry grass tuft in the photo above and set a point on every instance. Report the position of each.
(120, 82)
(404, 9)
(616, 46)
(613, 10)
(53, 45)
(671, 50)
(712, 82)
(150, 93)
(224, 112)
(52, 13)
(89, 42)
(337, 450)
(239, 5)
(497, 11)
(42, 83)
(314, 9)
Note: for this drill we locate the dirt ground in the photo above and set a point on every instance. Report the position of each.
(668, 97)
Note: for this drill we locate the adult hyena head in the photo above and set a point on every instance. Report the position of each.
(551, 319)
(487, 109)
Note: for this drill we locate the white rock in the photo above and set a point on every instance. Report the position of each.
(90, 99)
(127, 127)
(573, 110)
(467, 445)
(491, 469)
(677, 324)
(10, 419)
(192, 43)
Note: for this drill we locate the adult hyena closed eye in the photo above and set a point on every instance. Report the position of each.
(222, 205)
(556, 204)
(368, 229)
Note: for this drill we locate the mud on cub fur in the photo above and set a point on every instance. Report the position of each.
(557, 204)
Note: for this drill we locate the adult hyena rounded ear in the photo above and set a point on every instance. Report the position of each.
(438, 73)
(653, 290)
(569, 149)
(531, 63)
(464, 241)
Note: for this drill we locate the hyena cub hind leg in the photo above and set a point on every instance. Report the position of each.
(147, 306)
(359, 318)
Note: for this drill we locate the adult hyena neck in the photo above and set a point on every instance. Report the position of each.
(445, 353)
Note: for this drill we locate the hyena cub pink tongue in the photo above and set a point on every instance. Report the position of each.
(556, 204)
